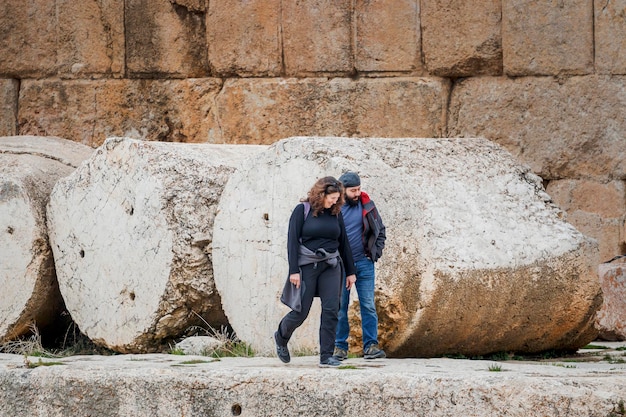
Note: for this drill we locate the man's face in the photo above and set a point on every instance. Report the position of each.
(353, 194)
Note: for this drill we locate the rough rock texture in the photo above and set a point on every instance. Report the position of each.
(8, 113)
(29, 168)
(198, 345)
(165, 37)
(317, 37)
(131, 233)
(462, 38)
(611, 319)
(610, 36)
(561, 129)
(260, 111)
(387, 35)
(28, 38)
(244, 38)
(45, 38)
(88, 111)
(477, 259)
(547, 37)
(170, 385)
(596, 209)
(241, 111)
(90, 38)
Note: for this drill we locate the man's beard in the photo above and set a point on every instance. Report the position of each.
(352, 202)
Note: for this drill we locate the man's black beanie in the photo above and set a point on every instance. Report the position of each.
(350, 179)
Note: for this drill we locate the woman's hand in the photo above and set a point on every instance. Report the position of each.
(295, 279)
(350, 280)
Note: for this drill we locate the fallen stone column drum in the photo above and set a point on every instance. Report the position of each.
(29, 168)
(131, 232)
(478, 259)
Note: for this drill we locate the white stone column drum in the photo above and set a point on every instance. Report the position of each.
(478, 258)
(131, 232)
(29, 168)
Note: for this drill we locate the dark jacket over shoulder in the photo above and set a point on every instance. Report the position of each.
(373, 229)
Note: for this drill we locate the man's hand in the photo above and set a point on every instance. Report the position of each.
(350, 280)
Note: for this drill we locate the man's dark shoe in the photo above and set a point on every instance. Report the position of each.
(281, 350)
(331, 362)
(374, 352)
(340, 354)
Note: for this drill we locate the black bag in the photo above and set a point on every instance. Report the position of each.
(292, 296)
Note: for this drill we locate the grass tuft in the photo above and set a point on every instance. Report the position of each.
(495, 368)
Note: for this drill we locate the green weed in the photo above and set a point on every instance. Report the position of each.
(31, 365)
(495, 368)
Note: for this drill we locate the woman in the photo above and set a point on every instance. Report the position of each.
(318, 252)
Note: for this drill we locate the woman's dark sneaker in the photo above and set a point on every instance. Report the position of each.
(374, 352)
(281, 350)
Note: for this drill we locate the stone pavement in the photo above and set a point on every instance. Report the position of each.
(591, 384)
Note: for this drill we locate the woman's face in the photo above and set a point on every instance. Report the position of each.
(330, 199)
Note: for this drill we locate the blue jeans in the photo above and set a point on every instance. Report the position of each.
(365, 277)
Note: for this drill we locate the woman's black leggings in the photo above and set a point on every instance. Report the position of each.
(325, 281)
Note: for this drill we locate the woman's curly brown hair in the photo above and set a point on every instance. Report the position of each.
(321, 189)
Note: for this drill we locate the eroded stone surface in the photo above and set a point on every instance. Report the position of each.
(561, 129)
(387, 35)
(462, 38)
(28, 38)
(316, 37)
(244, 38)
(547, 38)
(611, 319)
(131, 232)
(29, 168)
(9, 90)
(596, 209)
(149, 385)
(260, 111)
(165, 38)
(478, 259)
(88, 111)
(610, 36)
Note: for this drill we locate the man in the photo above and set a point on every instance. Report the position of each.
(366, 235)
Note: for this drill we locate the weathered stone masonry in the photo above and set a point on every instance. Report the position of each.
(544, 79)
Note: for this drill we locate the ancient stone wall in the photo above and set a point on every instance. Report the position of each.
(546, 80)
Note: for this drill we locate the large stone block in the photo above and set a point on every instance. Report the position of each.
(610, 36)
(165, 39)
(244, 37)
(611, 319)
(605, 199)
(9, 90)
(28, 38)
(89, 111)
(562, 129)
(29, 168)
(317, 37)
(259, 111)
(477, 259)
(462, 38)
(131, 231)
(596, 209)
(387, 35)
(547, 37)
(90, 38)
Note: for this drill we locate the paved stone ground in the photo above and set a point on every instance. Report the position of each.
(591, 383)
